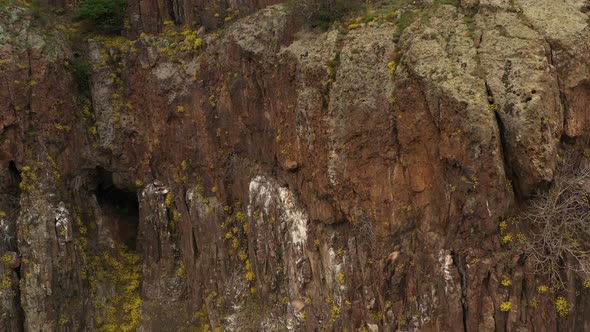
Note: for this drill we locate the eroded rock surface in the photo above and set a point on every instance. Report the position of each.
(269, 178)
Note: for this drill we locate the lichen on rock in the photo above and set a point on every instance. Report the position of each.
(272, 176)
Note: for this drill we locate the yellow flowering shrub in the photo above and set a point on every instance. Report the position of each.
(506, 306)
(562, 306)
(391, 66)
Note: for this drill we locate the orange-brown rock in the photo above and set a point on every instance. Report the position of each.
(275, 178)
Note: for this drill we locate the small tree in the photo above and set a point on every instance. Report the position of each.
(557, 244)
(321, 12)
(103, 16)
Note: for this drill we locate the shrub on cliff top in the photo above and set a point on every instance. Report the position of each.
(322, 12)
(103, 16)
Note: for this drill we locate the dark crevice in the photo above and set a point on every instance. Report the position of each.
(9, 201)
(176, 11)
(564, 104)
(21, 320)
(20, 311)
(490, 94)
(140, 24)
(504, 146)
(120, 208)
(464, 303)
(562, 98)
(19, 315)
(567, 139)
(14, 173)
(195, 245)
(510, 175)
(17, 271)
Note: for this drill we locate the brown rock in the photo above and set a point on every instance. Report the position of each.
(234, 231)
(290, 165)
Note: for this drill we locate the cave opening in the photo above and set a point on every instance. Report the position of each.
(120, 209)
(14, 173)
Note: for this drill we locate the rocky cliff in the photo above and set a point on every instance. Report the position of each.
(266, 177)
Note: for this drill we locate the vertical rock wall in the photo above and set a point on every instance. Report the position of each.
(267, 179)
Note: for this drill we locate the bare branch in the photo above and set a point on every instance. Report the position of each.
(558, 223)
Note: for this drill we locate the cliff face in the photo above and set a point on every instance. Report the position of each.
(266, 178)
(148, 16)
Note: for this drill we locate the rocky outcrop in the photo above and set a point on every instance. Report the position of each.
(265, 178)
(149, 16)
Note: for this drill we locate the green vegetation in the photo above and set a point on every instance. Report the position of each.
(121, 270)
(323, 12)
(114, 278)
(28, 178)
(40, 10)
(82, 70)
(404, 20)
(385, 9)
(355, 14)
(168, 199)
(103, 16)
(332, 65)
(329, 11)
(455, 3)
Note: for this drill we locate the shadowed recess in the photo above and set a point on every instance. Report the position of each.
(120, 209)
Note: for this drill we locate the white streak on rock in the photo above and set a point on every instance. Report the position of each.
(266, 193)
(446, 261)
(63, 223)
